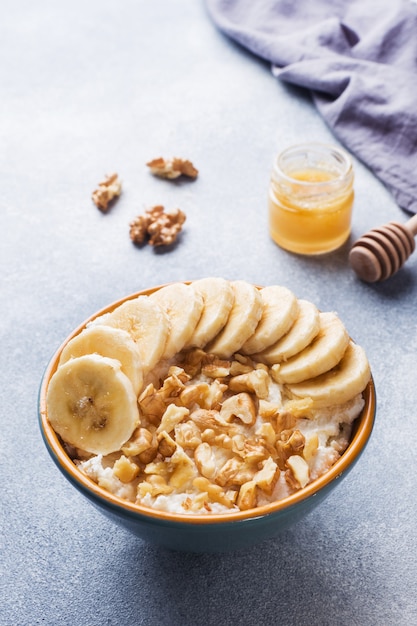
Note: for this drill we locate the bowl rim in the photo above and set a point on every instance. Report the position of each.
(363, 427)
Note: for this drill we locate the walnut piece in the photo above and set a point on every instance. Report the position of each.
(125, 469)
(172, 168)
(157, 226)
(205, 461)
(142, 444)
(256, 381)
(300, 471)
(240, 406)
(167, 445)
(214, 492)
(172, 416)
(107, 190)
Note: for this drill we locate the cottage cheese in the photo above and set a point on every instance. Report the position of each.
(192, 458)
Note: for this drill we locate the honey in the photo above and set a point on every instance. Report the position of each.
(311, 199)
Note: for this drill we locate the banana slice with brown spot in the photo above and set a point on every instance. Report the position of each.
(91, 404)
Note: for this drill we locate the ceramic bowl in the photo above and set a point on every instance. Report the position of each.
(204, 533)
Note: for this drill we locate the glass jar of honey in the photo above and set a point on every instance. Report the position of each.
(311, 198)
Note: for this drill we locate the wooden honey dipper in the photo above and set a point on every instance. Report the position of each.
(381, 252)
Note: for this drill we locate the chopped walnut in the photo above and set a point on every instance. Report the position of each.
(240, 406)
(247, 496)
(267, 476)
(154, 402)
(235, 473)
(173, 385)
(167, 445)
(205, 461)
(299, 470)
(267, 433)
(192, 361)
(237, 367)
(209, 419)
(184, 469)
(155, 485)
(268, 410)
(151, 404)
(157, 227)
(107, 190)
(212, 370)
(215, 367)
(142, 444)
(284, 421)
(171, 417)
(256, 381)
(310, 447)
(125, 469)
(195, 394)
(172, 168)
(215, 395)
(187, 435)
(264, 479)
(290, 443)
(254, 451)
(214, 492)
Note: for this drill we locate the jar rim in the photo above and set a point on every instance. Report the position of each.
(325, 149)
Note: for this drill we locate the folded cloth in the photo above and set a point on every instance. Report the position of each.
(358, 59)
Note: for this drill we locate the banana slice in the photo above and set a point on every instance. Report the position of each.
(184, 307)
(340, 384)
(114, 343)
(300, 335)
(242, 321)
(280, 309)
(321, 355)
(91, 404)
(146, 323)
(218, 298)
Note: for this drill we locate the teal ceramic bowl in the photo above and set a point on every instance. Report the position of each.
(205, 533)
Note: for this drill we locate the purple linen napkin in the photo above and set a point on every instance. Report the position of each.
(359, 60)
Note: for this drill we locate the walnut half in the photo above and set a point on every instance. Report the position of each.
(107, 190)
(172, 168)
(157, 226)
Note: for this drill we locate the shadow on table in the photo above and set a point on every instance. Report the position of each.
(336, 265)
(302, 577)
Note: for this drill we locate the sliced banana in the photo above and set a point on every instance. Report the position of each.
(279, 312)
(91, 404)
(242, 321)
(218, 297)
(340, 384)
(114, 343)
(183, 306)
(300, 335)
(146, 323)
(321, 355)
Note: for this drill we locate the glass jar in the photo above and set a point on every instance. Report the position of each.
(311, 198)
